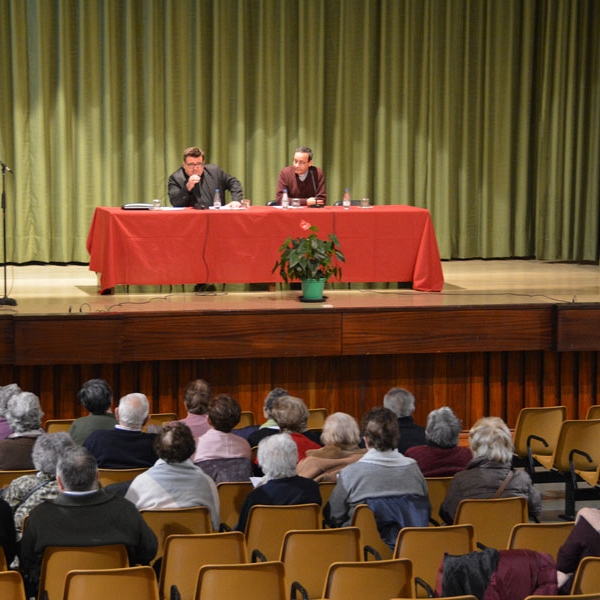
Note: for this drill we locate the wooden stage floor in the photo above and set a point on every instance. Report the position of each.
(54, 289)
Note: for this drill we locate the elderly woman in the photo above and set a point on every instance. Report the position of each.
(281, 485)
(24, 415)
(174, 481)
(25, 493)
(340, 437)
(490, 471)
(6, 392)
(441, 456)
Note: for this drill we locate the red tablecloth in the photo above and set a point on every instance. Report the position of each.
(161, 247)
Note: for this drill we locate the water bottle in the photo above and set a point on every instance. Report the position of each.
(217, 199)
(285, 201)
(346, 200)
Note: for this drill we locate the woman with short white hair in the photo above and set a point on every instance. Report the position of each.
(490, 471)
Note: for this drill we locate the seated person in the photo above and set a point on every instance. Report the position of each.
(492, 447)
(8, 536)
(341, 438)
(6, 392)
(219, 453)
(402, 403)
(441, 456)
(125, 446)
(302, 180)
(174, 481)
(26, 492)
(269, 426)
(82, 515)
(196, 397)
(584, 540)
(194, 183)
(280, 485)
(24, 415)
(96, 397)
(383, 474)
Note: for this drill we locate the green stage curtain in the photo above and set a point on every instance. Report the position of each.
(485, 112)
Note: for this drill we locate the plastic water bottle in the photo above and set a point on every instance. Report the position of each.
(346, 200)
(285, 201)
(217, 199)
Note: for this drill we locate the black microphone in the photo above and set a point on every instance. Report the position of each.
(5, 167)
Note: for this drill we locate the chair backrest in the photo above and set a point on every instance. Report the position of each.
(227, 469)
(376, 580)
(325, 488)
(492, 518)
(246, 419)
(250, 581)
(55, 425)
(370, 540)
(544, 422)
(110, 476)
(159, 419)
(57, 561)
(185, 554)
(425, 547)
(11, 585)
(587, 576)
(316, 418)
(231, 498)
(116, 584)
(541, 537)
(593, 412)
(438, 488)
(583, 436)
(6, 477)
(307, 554)
(171, 521)
(267, 526)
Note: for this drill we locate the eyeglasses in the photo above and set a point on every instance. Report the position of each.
(194, 165)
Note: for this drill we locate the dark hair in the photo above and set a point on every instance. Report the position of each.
(77, 469)
(224, 412)
(305, 150)
(380, 429)
(174, 443)
(193, 151)
(96, 396)
(273, 395)
(196, 396)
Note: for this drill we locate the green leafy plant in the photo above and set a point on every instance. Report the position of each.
(309, 257)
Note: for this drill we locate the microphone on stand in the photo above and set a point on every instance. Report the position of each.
(5, 168)
(5, 301)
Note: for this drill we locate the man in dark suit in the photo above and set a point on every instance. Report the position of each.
(194, 183)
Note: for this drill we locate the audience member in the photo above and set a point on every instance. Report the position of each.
(8, 536)
(490, 471)
(82, 515)
(125, 446)
(302, 180)
(24, 415)
(269, 427)
(584, 540)
(402, 403)
(382, 474)
(174, 481)
(26, 492)
(194, 183)
(96, 397)
(341, 438)
(196, 397)
(6, 392)
(441, 456)
(219, 453)
(280, 485)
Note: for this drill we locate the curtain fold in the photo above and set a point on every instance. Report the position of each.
(487, 113)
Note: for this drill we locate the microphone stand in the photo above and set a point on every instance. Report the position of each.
(5, 301)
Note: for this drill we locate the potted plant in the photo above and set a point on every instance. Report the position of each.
(310, 260)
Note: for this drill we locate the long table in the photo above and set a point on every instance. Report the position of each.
(185, 246)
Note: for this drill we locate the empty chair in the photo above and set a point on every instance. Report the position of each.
(159, 419)
(57, 561)
(54, 425)
(267, 526)
(117, 584)
(170, 521)
(541, 537)
(251, 581)
(587, 576)
(185, 554)
(425, 547)
(438, 488)
(593, 412)
(370, 541)
(307, 554)
(11, 586)
(492, 518)
(316, 418)
(375, 580)
(110, 476)
(231, 497)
